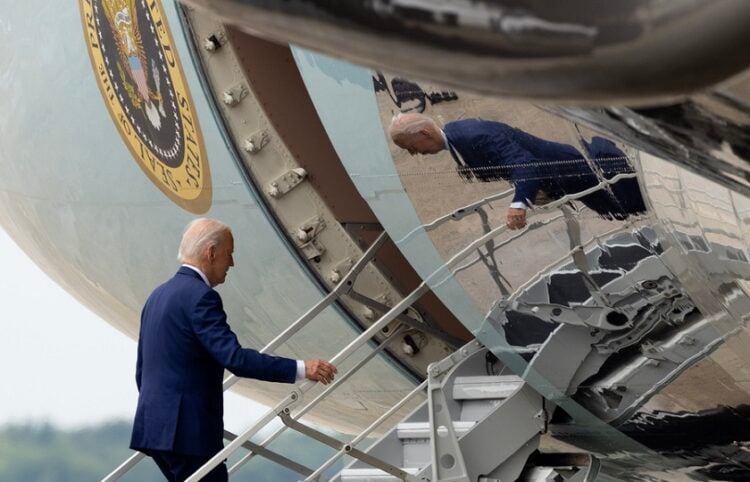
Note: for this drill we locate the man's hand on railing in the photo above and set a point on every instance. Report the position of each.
(320, 371)
(516, 218)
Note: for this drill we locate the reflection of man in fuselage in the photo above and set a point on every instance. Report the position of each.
(490, 151)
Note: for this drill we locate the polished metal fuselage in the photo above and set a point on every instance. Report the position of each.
(671, 402)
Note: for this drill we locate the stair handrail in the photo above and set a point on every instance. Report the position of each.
(339, 380)
(364, 433)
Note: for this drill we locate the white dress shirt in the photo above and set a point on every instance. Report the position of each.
(300, 363)
(200, 273)
(462, 163)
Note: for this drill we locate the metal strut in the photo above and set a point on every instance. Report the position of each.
(447, 460)
(367, 431)
(346, 447)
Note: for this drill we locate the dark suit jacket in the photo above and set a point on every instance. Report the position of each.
(184, 346)
(493, 151)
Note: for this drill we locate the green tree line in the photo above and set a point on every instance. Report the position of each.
(43, 453)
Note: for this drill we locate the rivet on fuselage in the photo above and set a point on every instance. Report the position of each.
(213, 42)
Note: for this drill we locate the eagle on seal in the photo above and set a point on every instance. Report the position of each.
(133, 64)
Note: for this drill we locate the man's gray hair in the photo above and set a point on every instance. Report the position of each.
(200, 234)
(404, 125)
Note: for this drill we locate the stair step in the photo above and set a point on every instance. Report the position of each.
(485, 387)
(372, 475)
(421, 430)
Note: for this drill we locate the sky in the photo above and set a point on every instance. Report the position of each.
(61, 363)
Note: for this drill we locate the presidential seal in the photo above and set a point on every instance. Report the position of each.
(141, 80)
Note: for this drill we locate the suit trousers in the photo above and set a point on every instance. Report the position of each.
(177, 467)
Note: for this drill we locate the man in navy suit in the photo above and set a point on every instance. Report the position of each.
(184, 346)
(490, 151)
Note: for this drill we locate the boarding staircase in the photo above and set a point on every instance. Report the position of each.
(473, 426)
(478, 424)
